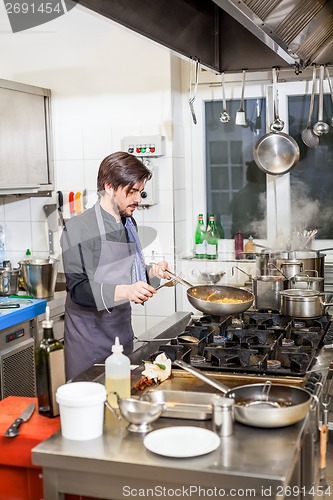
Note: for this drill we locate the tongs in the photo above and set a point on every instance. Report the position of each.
(169, 283)
(179, 279)
(174, 281)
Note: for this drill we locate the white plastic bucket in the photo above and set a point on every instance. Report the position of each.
(81, 407)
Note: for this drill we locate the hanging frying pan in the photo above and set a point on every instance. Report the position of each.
(276, 153)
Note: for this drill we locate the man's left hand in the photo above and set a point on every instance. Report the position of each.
(160, 270)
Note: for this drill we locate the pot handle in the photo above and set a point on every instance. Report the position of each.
(327, 304)
(197, 373)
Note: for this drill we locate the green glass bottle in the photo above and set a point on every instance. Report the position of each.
(219, 226)
(50, 369)
(212, 239)
(200, 239)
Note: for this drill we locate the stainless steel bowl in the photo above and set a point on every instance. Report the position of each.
(212, 278)
(140, 414)
(39, 277)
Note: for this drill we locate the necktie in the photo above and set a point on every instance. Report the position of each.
(139, 266)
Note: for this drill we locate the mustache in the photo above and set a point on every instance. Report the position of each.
(123, 212)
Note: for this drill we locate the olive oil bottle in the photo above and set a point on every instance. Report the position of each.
(50, 369)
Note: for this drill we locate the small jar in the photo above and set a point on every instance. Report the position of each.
(223, 415)
(250, 248)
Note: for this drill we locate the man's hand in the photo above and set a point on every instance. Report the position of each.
(138, 292)
(159, 270)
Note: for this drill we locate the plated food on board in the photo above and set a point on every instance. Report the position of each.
(154, 372)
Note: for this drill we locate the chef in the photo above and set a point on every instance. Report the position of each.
(104, 266)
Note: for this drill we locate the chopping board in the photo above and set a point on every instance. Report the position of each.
(17, 451)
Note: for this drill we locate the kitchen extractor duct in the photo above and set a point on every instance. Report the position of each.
(299, 31)
(230, 35)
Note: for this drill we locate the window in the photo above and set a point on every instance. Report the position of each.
(311, 180)
(286, 207)
(235, 186)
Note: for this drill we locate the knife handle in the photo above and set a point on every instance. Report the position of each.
(12, 431)
(71, 198)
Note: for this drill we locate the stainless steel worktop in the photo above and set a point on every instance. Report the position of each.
(260, 463)
(266, 461)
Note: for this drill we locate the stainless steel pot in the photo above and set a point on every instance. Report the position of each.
(293, 403)
(311, 259)
(9, 280)
(267, 290)
(267, 262)
(308, 282)
(291, 267)
(206, 299)
(39, 276)
(300, 303)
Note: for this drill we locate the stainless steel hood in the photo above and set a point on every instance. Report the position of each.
(231, 35)
(300, 31)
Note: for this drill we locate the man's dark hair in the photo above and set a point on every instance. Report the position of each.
(121, 169)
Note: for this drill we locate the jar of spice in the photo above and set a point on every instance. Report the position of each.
(250, 248)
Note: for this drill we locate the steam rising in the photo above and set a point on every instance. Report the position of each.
(308, 213)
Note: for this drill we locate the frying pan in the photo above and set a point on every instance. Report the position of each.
(197, 296)
(293, 402)
(276, 153)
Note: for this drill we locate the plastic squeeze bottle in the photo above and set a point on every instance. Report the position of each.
(117, 374)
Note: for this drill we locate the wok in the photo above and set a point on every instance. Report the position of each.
(197, 296)
(293, 402)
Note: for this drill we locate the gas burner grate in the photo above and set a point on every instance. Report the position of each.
(259, 343)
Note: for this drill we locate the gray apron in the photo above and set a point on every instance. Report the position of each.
(89, 333)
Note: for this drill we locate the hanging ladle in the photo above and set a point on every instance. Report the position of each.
(277, 124)
(224, 116)
(331, 89)
(321, 128)
(309, 138)
(191, 98)
(240, 115)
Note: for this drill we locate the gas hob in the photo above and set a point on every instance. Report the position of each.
(254, 343)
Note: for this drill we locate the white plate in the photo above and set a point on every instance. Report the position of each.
(182, 441)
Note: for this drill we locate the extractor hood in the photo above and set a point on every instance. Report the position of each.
(300, 31)
(231, 35)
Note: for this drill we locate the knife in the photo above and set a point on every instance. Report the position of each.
(9, 305)
(12, 431)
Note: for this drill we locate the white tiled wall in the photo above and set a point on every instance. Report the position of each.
(101, 92)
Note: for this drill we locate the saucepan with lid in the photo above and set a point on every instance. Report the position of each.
(259, 405)
(300, 303)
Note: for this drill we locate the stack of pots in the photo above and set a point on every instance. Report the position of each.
(302, 270)
(269, 282)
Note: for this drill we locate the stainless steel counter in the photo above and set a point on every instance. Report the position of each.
(253, 462)
(257, 463)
